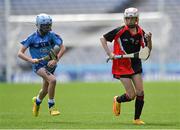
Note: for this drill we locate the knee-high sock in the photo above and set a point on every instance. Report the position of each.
(139, 103)
(123, 98)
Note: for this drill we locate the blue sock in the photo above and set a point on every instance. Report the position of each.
(38, 101)
(51, 103)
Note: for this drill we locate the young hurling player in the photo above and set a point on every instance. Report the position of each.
(128, 39)
(39, 44)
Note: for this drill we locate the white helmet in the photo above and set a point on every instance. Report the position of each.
(133, 15)
(43, 23)
(131, 12)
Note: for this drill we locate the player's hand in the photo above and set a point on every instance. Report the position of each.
(34, 61)
(148, 36)
(52, 63)
(112, 56)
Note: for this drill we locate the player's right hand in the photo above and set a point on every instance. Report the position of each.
(34, 61)
(112, 55)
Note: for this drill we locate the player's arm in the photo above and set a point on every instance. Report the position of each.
(21, 54)
(109, 37)
(53, 62)
(106, 48)
(61, 52)
(58, 41)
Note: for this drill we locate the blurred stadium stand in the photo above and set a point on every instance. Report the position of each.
(2, 41)
(85, 58)
(20, 7)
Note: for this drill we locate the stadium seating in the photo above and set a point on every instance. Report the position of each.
(65, 6)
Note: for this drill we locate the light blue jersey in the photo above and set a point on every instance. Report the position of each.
(39, 46)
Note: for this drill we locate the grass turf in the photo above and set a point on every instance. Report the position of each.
(89, 106)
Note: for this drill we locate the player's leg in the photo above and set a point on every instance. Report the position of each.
(51, 79)
(37, 100)
(130, 92)
(43, 92)
(139, 103)
(126, 97)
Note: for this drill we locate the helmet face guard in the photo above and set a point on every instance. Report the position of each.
(131, 17)
(43, 23)
(45, 28)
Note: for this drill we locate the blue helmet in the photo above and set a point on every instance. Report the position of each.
(43, 23)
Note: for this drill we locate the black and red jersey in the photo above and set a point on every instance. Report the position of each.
(125, 43)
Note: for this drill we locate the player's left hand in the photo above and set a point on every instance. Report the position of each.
(148, 36)
(52, 63)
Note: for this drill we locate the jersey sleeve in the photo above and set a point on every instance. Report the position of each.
(111, 35)
(27, 42)
(57, 40)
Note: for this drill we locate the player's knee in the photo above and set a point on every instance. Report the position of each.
(53, 80)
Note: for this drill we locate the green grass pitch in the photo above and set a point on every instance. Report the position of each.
(89, 106)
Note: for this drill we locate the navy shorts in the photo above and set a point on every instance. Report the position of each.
(36, 67)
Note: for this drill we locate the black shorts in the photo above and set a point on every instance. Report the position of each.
(126, 76)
